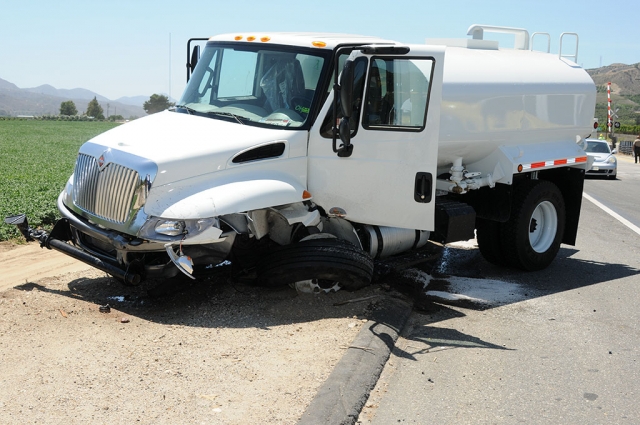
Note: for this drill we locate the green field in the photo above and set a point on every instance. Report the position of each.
(36, 159)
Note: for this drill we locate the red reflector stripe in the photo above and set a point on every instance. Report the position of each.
(554, 163)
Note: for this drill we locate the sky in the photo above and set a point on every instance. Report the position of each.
(138, 47)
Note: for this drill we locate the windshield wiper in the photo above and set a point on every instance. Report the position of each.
(192, 111)
(189, 110)
(226, 114)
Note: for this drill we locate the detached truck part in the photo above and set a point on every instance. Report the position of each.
(306, 156)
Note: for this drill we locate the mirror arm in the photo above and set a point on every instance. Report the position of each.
(334, 125)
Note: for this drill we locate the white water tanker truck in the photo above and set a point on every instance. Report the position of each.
(305, 157)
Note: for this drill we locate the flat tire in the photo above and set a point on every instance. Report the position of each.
(325, 260)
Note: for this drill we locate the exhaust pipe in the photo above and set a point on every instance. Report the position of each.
(57, 240)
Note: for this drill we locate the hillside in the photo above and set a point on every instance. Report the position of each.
(625, 79)
(625, 92)
(46, 100)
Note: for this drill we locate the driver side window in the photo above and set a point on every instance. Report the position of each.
(397, 93)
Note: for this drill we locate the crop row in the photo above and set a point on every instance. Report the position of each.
(36, 159)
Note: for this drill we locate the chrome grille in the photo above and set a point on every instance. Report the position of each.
(107, 194)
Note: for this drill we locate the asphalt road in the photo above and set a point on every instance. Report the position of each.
(621, 195)
(559, 346)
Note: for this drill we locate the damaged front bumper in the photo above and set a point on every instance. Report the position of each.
(58, 239)
(128, 258)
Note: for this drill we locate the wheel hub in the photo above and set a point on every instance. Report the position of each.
(543, 227)
(316, 286)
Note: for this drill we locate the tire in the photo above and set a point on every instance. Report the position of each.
(531, 237)
(325, 261)
(489, 242)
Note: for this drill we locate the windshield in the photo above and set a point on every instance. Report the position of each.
(597, 147)
(254, 84)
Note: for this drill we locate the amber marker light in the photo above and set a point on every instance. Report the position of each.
(520, 168)
(237, 37)
(306, 195)
(319, 43)
(251, 38)
(265, 39)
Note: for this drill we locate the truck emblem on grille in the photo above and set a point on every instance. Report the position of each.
(102, 162)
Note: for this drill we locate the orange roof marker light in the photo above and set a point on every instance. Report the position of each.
(306, 195)
(251, 38)
(265, 39)
(319, 43)
(237, 37)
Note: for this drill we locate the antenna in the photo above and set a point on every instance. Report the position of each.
(169, 67)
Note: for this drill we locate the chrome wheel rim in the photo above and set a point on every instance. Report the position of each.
(543, 227)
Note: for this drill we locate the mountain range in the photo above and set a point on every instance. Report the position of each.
(46, 100)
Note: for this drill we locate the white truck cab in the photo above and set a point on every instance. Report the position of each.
(303, 157)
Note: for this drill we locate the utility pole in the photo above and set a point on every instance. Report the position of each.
(610, 114)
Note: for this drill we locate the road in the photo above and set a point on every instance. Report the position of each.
(559, 346)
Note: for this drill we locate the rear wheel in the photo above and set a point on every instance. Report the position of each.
(531, 237)
(322, 263)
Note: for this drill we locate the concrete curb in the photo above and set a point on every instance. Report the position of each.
(341, 398)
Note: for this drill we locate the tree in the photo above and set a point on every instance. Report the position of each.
(157, 103)
(68, 108)
(95, 110)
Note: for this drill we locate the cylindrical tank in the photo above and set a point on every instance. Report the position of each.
(386, 241)
(494, 97)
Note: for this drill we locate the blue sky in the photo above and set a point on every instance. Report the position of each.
(138, 47)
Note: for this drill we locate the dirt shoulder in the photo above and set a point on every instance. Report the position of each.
(30, 262)
(215, 351)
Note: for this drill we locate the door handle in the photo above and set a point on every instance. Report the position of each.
(422, 188)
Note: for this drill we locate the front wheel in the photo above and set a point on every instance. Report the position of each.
(532, 236)
(325, 262)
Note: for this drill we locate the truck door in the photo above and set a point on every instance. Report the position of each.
(389, 177)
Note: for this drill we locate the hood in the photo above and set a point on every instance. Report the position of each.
(181, 145)
(599, 157)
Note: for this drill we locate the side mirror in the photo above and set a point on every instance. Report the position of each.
(345, 136)
(615, 151)
(346, 89)
(195, 56)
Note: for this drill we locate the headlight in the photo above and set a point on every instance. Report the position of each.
(170, 228)
(611, 160)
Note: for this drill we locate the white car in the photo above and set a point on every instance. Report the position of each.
(605, 163)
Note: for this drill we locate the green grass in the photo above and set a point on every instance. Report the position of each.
(36, 160)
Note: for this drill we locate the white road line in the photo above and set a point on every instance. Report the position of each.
(613, 214)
